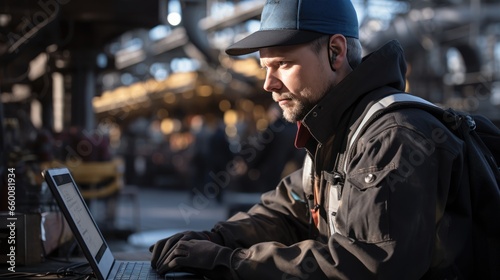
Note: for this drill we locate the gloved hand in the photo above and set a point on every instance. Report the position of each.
(161, 248)
(200, 257)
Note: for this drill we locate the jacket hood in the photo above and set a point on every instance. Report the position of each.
(385, 67)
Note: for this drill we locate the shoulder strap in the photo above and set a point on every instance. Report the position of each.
(307, 175)
(483, 172)
(379, 107)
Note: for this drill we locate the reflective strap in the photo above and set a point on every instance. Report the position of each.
(382, 104)
(333, 207)
(307, 174)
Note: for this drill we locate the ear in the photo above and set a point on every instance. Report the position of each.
(338, 51)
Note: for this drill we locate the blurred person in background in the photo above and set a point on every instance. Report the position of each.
(210, 155)
(270, 155)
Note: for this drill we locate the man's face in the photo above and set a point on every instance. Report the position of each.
(297, 76)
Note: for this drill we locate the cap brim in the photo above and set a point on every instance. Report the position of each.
(271, 38)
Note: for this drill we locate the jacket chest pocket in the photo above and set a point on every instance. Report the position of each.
(365, 203)
(358, 207)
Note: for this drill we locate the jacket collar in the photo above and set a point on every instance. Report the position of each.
(384, 67)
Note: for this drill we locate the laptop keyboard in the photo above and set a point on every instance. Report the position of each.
(136, 270)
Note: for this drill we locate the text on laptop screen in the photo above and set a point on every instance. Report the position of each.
(82, 219)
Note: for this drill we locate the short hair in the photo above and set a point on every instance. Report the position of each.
(354, 49)
(354, 52)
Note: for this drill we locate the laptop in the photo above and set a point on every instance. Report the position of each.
(90, 238)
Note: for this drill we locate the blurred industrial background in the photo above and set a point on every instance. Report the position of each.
(140, 94)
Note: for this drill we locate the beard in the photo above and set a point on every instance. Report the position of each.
(298, 111)
(299, 105)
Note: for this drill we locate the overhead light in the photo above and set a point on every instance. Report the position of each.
(230, 117)
(174, 17)
(36, 113)
(125, 58)
(169, 126)
(37, 66)
(204, 90)
(51, 48)
(158, 32)
(5, 19)
(102, 60)
(58, 101)
(224, 105)
(20, 92)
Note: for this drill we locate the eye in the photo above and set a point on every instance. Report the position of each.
(282, 63)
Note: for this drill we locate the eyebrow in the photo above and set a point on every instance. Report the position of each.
(271, 60)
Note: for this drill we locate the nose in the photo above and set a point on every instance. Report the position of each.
(272, 82)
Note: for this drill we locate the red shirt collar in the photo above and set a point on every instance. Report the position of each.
(302, 136)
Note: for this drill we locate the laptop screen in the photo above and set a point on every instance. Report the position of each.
(80, 215)
(83, 226)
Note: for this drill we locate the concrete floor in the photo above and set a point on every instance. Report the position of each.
(162, 213)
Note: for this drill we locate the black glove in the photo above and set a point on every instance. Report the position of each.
(200, 257)
(162, 247)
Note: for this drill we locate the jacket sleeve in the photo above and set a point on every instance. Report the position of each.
(280, 216)
(392, 222)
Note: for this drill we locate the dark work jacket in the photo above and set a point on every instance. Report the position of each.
(403, 212)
